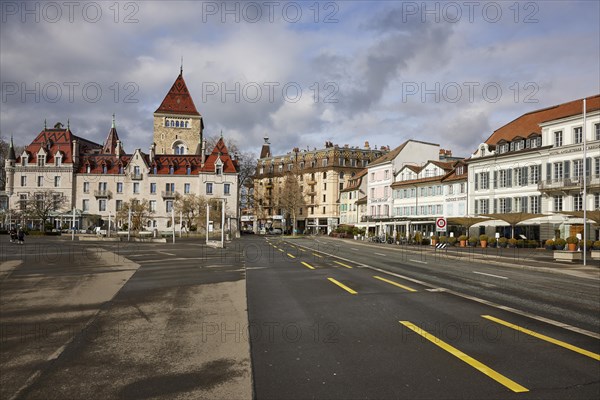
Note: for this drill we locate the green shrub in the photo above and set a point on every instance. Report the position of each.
(462, 238)
(560, 242)
(443, 239)
(452, 241)
(492, 240)
(512, 242)
(572, 240)
(483, 238)
(596, 245)
(549, 242)
(472, 240)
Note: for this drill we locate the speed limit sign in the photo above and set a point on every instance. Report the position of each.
(440, 224)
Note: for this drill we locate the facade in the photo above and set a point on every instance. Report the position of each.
(321, 175)
(382, 174)
(97, 179)
(535, 164)
(356, 189)
(422, 194)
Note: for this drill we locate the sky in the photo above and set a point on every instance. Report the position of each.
(299, 73)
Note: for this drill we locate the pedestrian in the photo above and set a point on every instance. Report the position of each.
(13, 235)
(21, 236)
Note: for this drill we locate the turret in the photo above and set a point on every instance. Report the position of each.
(75, 152)
(9, 165)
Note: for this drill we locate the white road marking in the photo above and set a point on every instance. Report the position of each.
(353, 248)
(380, 254)
(417, 261)
(492, 275)
(164, 252)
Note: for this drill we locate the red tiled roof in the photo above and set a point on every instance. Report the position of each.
(220, 151)
(110, 144)
(178, 100)
(528, 123)
(58, 139)
(96, 161)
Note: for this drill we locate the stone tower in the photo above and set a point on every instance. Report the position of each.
(178, 125)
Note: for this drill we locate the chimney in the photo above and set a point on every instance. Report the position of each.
(442, 151)
(75, 152)
(152, 152)
(118, 149)
(203, 151)
(367, 145)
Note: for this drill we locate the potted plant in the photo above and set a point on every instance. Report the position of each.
(589, 244)
(549, 244)
(452, 241)
(463, 240)
(483, 240)
(502, 242)
(472, 242)
(491, 242)
(434, 240)
(512, 242)
(520, 243)
(443, 239)
(559, 244)
(572, 242)
(596, 245)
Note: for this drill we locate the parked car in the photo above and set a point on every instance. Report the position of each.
(276, 231)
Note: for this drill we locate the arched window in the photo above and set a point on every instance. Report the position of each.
(186, 124)
(324, 175)
(176, 124)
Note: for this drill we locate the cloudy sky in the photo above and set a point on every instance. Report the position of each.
(301, 73)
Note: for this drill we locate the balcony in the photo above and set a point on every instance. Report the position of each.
(568, 184)
(269, 185)
(136, 177)
(102, 194)
(311, 181)
(168, 194)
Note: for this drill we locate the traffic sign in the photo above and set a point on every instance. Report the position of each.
(440, 224)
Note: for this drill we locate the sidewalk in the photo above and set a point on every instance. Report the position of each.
(527, 258)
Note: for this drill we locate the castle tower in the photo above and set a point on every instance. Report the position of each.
(178, 125)
(9, 165)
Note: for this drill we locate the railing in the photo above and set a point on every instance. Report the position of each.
(136, 177)
(569, 183)
(102, 193)
(168, 194)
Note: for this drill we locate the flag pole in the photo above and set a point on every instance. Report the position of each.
(585, 174)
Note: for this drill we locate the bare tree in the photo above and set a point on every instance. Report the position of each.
(140, 213)
(291, 198)
(42, 205)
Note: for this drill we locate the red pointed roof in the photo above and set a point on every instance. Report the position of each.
(178, 100)
(110, 144)
(220, 151)
(53, 140)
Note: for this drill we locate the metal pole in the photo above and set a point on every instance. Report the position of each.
(129, 224)
(223, 224)
(173, 222)
(73, 231)
(109, 220)
(584, 187)
(180, 222)
(207, 220)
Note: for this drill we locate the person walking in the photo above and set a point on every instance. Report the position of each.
(21, 236)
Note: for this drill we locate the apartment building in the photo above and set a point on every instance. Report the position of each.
(320, 174)
(350, 210)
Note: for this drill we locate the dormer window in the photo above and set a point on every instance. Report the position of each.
(41, 160)
(171, 169)
(218, 169)
(104, 169)
(154, 169)
(88, 168)
(121, 171)
(58, 160)
(188, 170)
(23, 161)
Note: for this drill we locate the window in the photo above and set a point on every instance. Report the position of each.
(597, 129)
(186, 188)
(58, 160)
(324, 198)
(450, 189)
(119, 205)
(169, 205)
(578, 202)
(323, 210)
(102, 205)
(462, 188)
(597, 167)
(119, 187)
(227, 189)
(41, 160)
(534, 172)
(341, 185)
(597, 201)
(121, 170)
(577, 168)
(558, 171)
(484, 206)
(558, 139)
(558, 203)
(153, 188)
(57, 181)
(170, 187)
(188, 170)
(136, 187)
(104, 170)
(86, 187)
(535, 204)
(209, 188)
(578, 136)
(387, 174)
(152, 205)
(102, 186)
(85, 206)
(171, 169)
(324, 162)
(23, 180)
(40, 181)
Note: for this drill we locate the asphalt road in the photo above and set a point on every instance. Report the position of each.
(343, 328)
